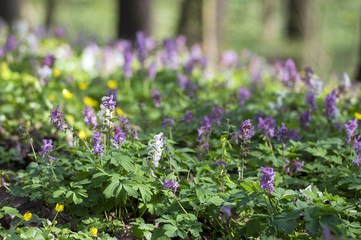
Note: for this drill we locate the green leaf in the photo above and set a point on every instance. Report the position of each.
(12, 211)
(109, 190)
(170, 230)
(130, 190)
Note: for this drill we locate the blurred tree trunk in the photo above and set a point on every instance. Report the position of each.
(268, 25)
(190, 21)
(50, 11)
(213, 12)
(133, 16)
(9, 11)
(296, 18)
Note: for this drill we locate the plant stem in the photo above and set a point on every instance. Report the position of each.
(180, 204)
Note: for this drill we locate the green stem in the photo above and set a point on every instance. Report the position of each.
(51, 226)
(180, 204)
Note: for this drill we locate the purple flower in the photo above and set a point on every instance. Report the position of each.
(330, 104)
(220, 162)
(305, 118)
(350, 129)
(203, 140)
(128, 60)
(288, 74)
(229, 59)
(268, 125)
(170, 184)
(119, 137)
(293, 166)
(167, 122)
(89, 117)
(10, 44)
(47, 148)
(114, 92)
(267, 179)
(141, 47)
(358, 160)
(170, 57)
(59, 32)
(357, 143)
(108, 102)
(49, 60)
(308, 76)
(152, 71)
(156, 97)
(282, 132)
(246, 130)
(187, 85)
(227, 210)
(311, 102)
(294, 135)
(97, 139)
(243, 95)
(57, 119)
(187, 118)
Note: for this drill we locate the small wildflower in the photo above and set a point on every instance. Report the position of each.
(305, 118)
(112, 84)
(243, 95)
(330, 104)
(49, 60)
(350, 129)
(168, 122)
(226, 210)
(119, 137)
(282, 132)
(59, 207)
(156, 146)
(246, 130)
(358, 115)
(47, 148)
(97, 139)
(187, 118)
(56, 73)
(57, 119)
(267, 179)
(268, 125)
(82, 134)
(89, 117)
(156, 97)
(170, 184)
(83, 86)
(90, 101)
(27, 216)
(93, 231)
(220, 162)
(311, 102)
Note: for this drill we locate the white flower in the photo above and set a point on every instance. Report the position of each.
(155, 147)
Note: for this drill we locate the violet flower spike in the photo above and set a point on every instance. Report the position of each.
(170, 184)
(89, 117)
(267, 178)
(119, 138)
(311, 102)
(187, 118)
(97, 139)
(246, 130)
(351, 127)
(57, 119)
(330, 104)
(47, 147)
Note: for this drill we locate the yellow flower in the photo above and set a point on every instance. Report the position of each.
(112, 84)
(89, 101)
(119, 111)
(223, 138)
(56, 72)
(83, 86)
(93, 231)
(82, 134)
(70, 118)
(358, 115)
(67, 94)
(59, 207)
(27, 216)
(51, 97)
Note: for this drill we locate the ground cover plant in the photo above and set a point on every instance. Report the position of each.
(149, 141)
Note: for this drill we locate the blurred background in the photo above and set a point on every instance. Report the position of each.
(323, 34)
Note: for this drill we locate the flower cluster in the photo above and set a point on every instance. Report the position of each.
(106, 107)
(97, 139)
(128, 61)
(292, 166)
(311, 102)
(57, 119)
(141, 47)
(246, 131)
(267, 125)
(47, 147)
(305, 118)
(119, 137)
(89, 117)
(351, 127)
(188, 117)
(155, 147)
(49, 60)
(330, 104)
(170, 184)
(243, 95)
(168, 122)
(188, 87)
(288, 74)
(267, 178)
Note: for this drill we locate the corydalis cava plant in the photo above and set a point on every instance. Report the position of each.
(155, 147)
